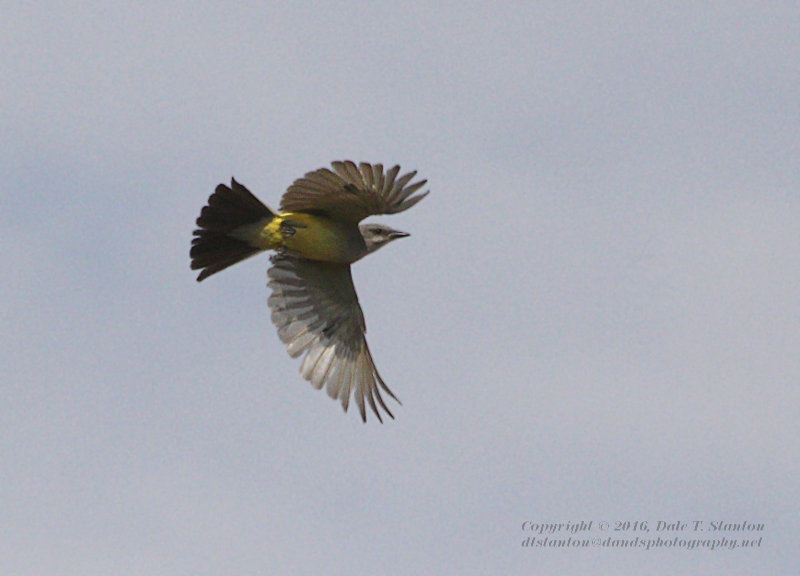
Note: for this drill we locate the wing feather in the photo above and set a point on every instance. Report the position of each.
(351, 192)
(378, 176)
(316, 310)
(368, 174)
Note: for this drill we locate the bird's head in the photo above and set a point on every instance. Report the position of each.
(377, 235)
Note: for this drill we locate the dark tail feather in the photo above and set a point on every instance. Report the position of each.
(213, 248)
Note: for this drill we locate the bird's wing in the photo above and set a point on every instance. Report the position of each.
(315, 308)
(351, 193)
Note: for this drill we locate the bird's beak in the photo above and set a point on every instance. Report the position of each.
(397, 234)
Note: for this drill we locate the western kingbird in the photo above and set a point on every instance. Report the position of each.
(316, 236)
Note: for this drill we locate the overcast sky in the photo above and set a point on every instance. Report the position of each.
(596, 317)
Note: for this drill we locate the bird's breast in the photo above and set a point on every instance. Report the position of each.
(317, 237)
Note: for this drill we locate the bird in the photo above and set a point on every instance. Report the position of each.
(316, 235)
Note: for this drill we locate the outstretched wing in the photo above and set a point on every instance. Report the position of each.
(315, 308)
(351, 193)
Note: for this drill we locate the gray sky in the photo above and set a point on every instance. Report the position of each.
(596, 317)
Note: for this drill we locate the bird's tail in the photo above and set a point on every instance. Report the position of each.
(231, 215)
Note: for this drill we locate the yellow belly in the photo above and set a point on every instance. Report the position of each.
(315, 237)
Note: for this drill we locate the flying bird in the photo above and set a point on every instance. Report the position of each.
(316, 236)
